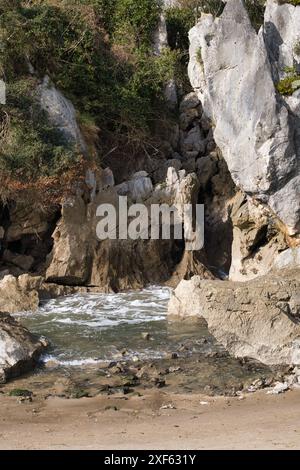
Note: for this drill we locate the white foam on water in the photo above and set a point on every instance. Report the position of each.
(106, 310)
(49, 358)
(79, 325)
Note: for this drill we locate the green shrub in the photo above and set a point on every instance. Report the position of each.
(18, 392)
(289, 84)
(256, 11)
(179, 22)
(31, 147)
(297, 48)
(137, 19)
(293, 2)
(199, 56)
(98, 53)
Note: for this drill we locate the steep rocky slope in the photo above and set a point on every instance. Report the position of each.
(248, 84)
(236, 73)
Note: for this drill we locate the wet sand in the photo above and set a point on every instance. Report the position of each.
(259, 421)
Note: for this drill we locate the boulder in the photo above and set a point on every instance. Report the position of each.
(187, 118)
(207, 167)
(259, 318)
(98, 180)
(19, 349)
(189, 101)
(193, 143)
(14, 298)
(160, 174)
(171, 95)
(289, 258)
(138, 188)
(233, 75)
(281, 34)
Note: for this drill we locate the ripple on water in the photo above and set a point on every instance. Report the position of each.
(86, 328)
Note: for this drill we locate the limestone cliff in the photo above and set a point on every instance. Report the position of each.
(235, 72)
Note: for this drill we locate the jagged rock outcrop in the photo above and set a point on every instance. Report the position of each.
(259, 319)
(61, 113)
(138, 188)
(79, 258)
(19, 349)
(231, 71)
(281, 34)
(257, 239)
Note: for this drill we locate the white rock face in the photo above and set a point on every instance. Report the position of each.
(160, 39)
(282, 35)
(231, 72)
(138, 188)
(288, 259)
(61, 113)
(259, 319)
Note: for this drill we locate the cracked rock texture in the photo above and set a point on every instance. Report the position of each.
(259, 318)
(19, 349)
(257, 130)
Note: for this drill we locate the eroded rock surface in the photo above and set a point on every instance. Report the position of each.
(260, 318)
(14, 297)
(79, 258)
(61, 113)
(231, 71)
(257, 239)
(19, 349)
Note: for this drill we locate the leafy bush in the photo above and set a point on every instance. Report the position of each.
(182, 18)
(179, 22)
(256, 10)
(137, 20)
(293, 2)
(19, 392)
(98, 52)
(297, 48)
(289, 84)
(31, 147)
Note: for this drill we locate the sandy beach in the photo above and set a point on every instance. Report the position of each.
(192, 421)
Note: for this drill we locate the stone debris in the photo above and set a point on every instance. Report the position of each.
(170, 406)
(279, 388)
